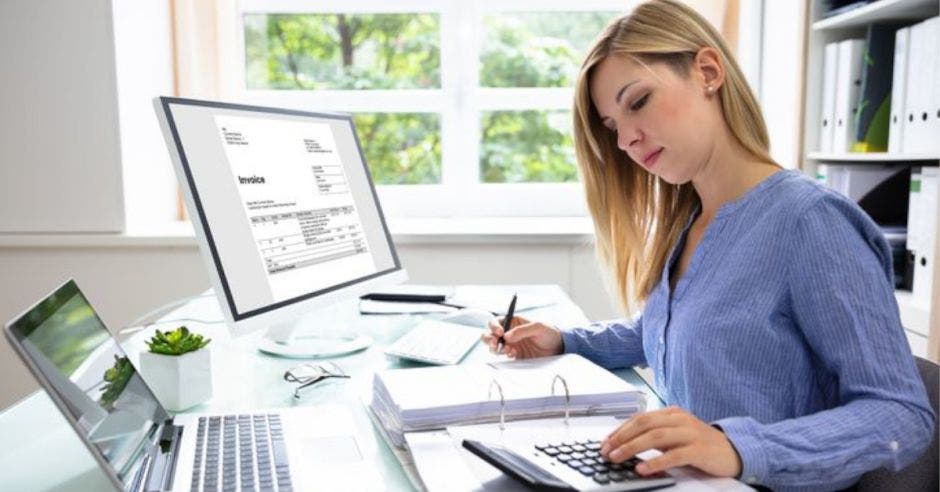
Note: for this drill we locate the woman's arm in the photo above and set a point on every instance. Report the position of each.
(611, 344)
(841, 290)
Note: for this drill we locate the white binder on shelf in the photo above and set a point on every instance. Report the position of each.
(917, 136)
(848, 89)
(926, 222)
(914, 212)
(822, 174)
(830, 67)
(898, 84)
(933, 113)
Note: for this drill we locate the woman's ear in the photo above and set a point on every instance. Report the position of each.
(709, 70)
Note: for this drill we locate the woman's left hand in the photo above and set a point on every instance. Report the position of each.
(683, 439)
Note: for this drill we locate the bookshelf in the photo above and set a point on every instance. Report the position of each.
(922, 323)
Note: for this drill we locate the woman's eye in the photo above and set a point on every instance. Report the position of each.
(639, 103)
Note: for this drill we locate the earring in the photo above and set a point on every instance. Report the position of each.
(709, 88)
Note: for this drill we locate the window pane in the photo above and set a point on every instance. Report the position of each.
(537, 49)
(342, 51)
(527, 146)
(401, 148)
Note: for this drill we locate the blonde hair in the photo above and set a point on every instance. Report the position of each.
(637, 216)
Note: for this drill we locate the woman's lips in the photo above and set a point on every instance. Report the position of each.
(650, 161)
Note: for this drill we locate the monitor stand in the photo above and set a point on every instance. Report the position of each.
(283, 340)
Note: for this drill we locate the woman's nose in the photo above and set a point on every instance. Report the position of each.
(626, 137)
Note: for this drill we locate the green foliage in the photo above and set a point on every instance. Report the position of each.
(401, 148)
(176, 342)
(343, 51)
(402, 51)
(536, 49)
(115, 379)
(527, 146)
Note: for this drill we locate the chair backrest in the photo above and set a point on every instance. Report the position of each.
(923, 473)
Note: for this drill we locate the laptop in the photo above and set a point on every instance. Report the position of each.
(140, 446)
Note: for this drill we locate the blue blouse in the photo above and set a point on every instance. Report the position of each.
(784, 331)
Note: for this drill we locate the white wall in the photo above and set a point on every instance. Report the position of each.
(144, 60)
(60, 161)
(125, 282)
(781, 85)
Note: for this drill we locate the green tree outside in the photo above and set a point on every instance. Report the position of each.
(401, 148)
(402, 51)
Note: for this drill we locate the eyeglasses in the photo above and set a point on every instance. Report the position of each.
(307, 375)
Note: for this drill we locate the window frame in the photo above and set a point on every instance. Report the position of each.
(459, 101)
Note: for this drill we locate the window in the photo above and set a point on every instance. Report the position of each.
(463, 107)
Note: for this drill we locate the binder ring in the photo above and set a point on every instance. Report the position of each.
(567, 394)
(502, 403)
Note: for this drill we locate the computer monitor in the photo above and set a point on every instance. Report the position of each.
(285, 212)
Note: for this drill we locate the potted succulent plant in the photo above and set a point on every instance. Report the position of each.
(177, 368)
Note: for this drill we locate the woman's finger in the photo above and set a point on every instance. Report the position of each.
(673, 458)
(638, 424)
(661, 438)
(523, 332)
(495, 328)
(489, 340)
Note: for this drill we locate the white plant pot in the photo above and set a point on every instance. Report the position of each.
(178, 381)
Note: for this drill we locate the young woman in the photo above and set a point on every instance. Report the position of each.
(768, 318)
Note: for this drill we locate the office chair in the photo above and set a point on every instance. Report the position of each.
(923, 473)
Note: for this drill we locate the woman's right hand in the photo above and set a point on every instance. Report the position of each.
(526, 339)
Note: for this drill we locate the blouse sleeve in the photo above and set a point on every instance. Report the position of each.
(610, 344)
(841, 290)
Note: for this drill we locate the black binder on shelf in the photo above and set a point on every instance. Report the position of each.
(874, 108)
(837, 7)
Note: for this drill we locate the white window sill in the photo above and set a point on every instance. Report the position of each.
(501, 230)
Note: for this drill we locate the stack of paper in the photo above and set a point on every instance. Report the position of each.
(417, 399)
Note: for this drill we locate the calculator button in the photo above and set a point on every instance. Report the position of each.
(601, 478)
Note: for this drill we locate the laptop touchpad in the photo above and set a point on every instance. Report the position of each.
(331, 449)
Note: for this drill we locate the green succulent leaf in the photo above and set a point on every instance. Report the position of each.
(176, 342)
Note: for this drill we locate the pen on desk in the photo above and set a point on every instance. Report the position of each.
(507, 323)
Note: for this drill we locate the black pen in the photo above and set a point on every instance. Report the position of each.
(507, 323)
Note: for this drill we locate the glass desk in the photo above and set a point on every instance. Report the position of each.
(41, 451)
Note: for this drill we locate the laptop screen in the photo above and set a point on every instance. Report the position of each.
(91, 379)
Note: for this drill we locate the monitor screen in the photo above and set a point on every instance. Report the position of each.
(90, 377)
(285, 199)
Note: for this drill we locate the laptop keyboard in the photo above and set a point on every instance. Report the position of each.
(585, 458)
(241, 452)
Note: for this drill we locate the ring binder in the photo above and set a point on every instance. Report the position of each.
(502, 402)
(467, 394)
(567, 394)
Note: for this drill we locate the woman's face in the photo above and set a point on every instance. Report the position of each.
(664, 122)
